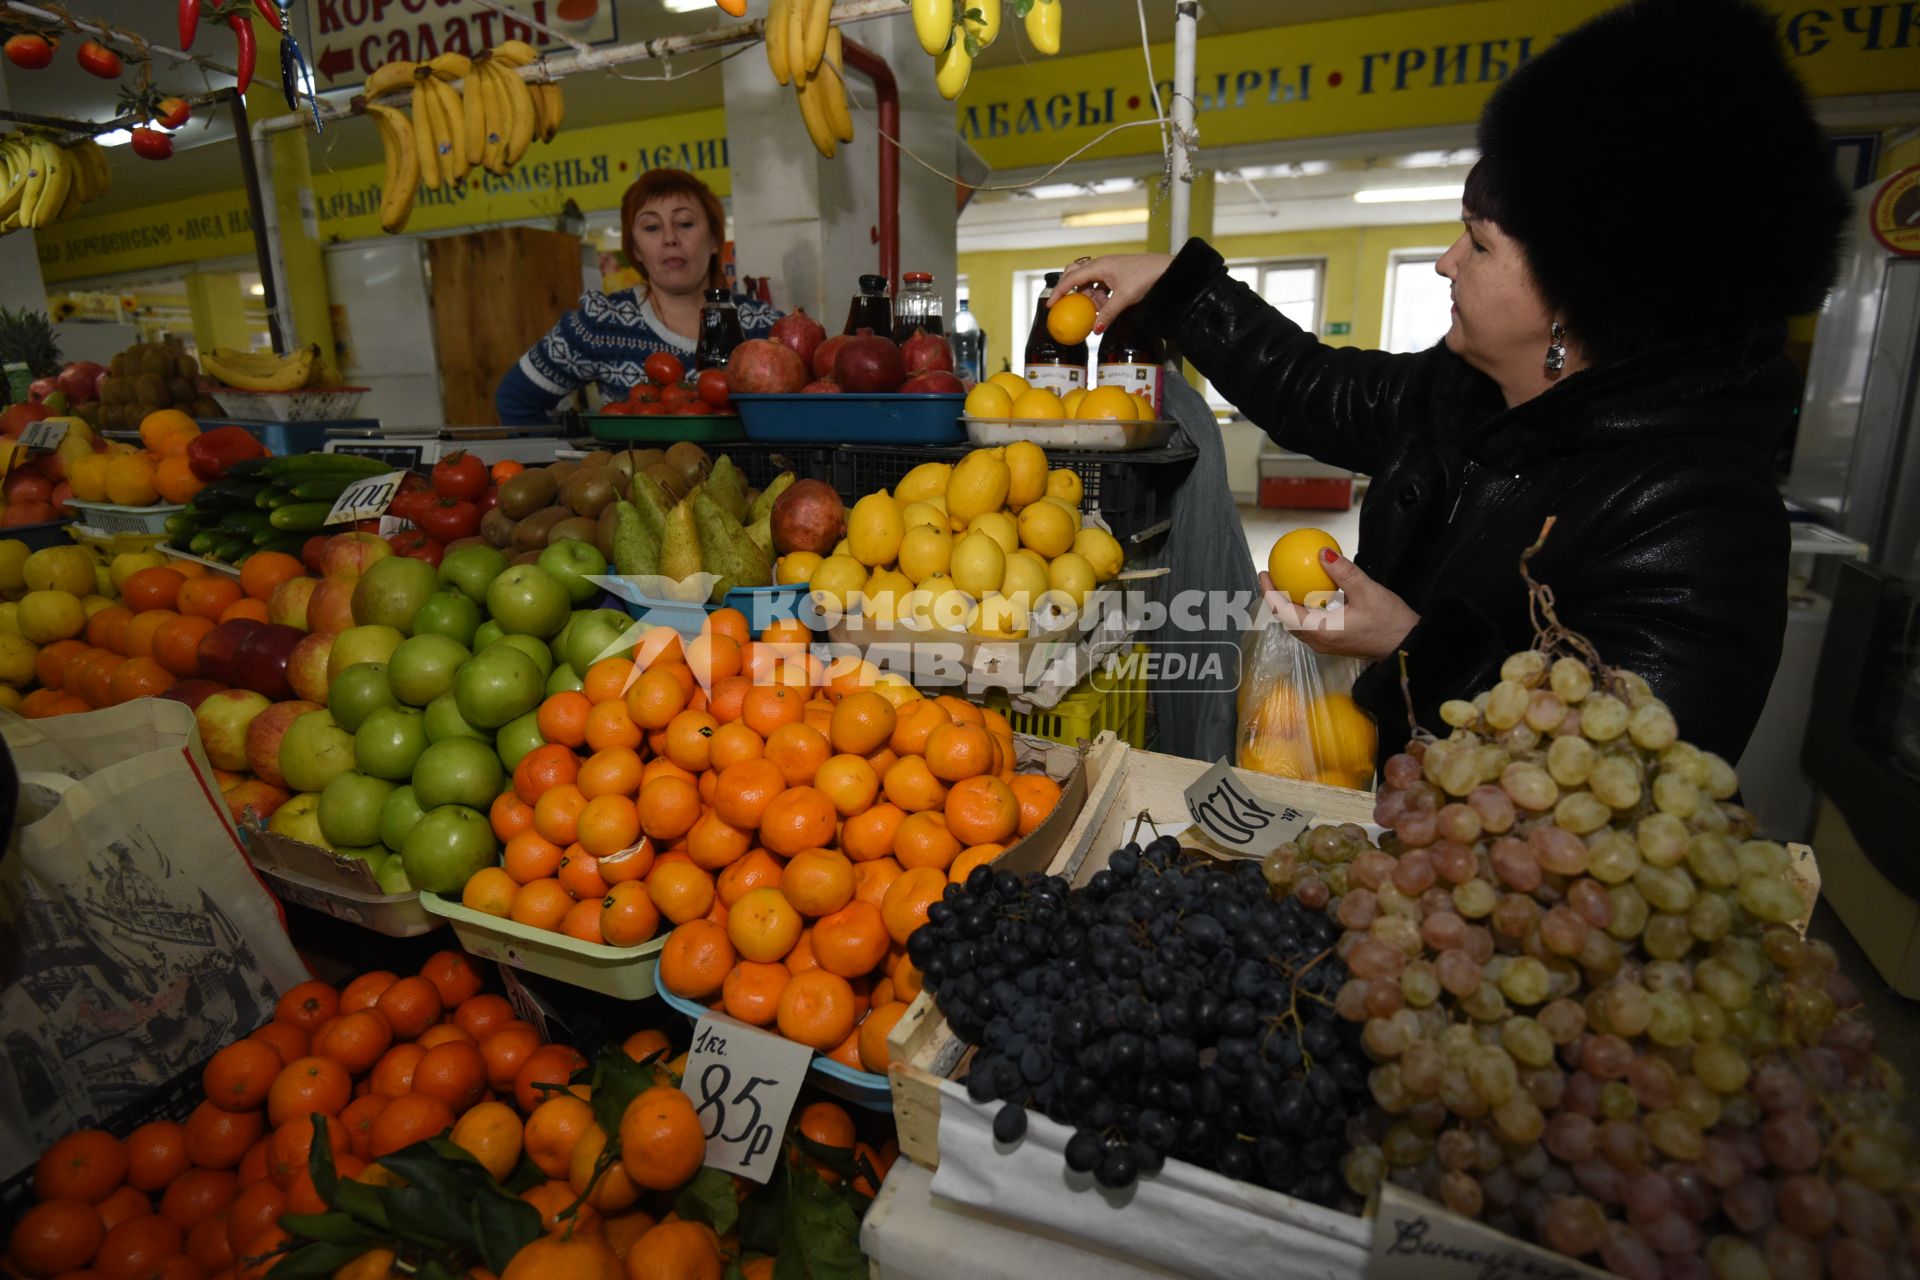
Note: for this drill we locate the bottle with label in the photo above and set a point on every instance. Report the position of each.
(918, 307)
(969, 346)
(1133, 358)
(872, 308)
(720, 331)
(1050, 362)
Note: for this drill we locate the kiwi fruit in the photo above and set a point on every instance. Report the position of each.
(669, 479)
(497, 528)
(561, 470)
(588, 491)
(598, 458)
(691, 461)
(151, 389)
(603, 531)
(522, 495)
(578, 528)
(531, 533)
(527, 557)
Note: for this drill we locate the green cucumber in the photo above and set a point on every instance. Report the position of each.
(323, 489)
(204, 541)
(289, 544)
(302, 517)
(232, 548)
(223, 496)
(246, 522)
(314, 465)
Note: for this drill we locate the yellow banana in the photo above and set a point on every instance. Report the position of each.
(549, 108)
(82, 178)
(833, 89)
(515, 53)
(94, 156)
(494, 98)
(396, 201)
(1043, 26)
(776, 31)
(33, 182)
(452, 66)
(933, 24)
(388, 78)
(951, 68)
(814, 112)
(451, 118)
(819, 13)
(53, 195)
(797, 40)
(473, 120)
(250, 372)
(520, 113)
(426, 148)
(987, 29)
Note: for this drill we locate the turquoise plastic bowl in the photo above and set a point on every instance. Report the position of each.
(853, 419)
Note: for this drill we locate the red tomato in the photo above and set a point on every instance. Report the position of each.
(28, 51)
(711, 386)
(449, 519)
(409, 503)
(651, 409)
(460, 475)
(171, 113)
(96, 59)
(663, 369)
(677, 394)
(415, 545)
(151, 144)
(645, 393)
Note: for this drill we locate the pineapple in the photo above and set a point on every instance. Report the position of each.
(26, 337)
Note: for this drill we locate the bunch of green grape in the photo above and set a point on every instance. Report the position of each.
(1592, 1020)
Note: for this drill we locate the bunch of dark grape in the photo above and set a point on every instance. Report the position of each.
(1171, 1008)
(1591, 1019)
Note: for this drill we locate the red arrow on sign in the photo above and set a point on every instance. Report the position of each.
(335, 62)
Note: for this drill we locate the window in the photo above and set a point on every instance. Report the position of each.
(1419, 300)
(1292, 287)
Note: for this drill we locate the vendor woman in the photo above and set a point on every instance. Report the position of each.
(1632, 247)
(672, 227)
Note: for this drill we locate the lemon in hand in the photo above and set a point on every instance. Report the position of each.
(1070, 319)
(1295, 566)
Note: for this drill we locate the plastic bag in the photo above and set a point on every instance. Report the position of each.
(1298, 718)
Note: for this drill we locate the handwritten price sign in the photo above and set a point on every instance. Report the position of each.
(1240, 822)
(365, 499)
(44, 434)
(743, 1084)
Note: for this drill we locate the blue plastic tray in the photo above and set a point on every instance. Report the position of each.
(861, 1088)
(762, 606)
(853, 419)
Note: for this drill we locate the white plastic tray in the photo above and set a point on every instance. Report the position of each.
(1098, 434)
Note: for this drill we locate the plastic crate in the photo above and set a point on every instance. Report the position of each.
(1113, 697)
(38, 537)
(109, 517)
(623, 972)
(862, 1088)
(761, 463)
(114, 544)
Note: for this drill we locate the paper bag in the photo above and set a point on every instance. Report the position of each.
(136, 938)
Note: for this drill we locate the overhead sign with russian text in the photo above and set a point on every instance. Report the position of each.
(354, 37)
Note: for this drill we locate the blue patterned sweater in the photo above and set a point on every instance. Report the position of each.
(606, 339)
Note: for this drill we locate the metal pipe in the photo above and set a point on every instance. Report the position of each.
(886, 92)
(110, 35)
(1186, 29)
(266, 211)
(76, 130)
(279, 331)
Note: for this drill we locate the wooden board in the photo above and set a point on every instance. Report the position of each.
(495, 294)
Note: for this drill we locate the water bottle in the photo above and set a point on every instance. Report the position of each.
(969, 346)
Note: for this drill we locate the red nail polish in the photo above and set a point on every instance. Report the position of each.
(1329, 555)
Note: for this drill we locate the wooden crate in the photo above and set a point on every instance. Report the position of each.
(1126, 788)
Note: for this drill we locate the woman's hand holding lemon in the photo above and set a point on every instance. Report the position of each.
(1125, 278)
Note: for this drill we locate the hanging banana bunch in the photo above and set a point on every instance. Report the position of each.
(953, 32)
(42, 181)
(805, 50)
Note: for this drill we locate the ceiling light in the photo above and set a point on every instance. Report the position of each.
(1397, 195)
(1301, 169)
(1437, 159)
(1105, 218)
(257, 289)
(1068, 190)
(114, 138)
(685, 6)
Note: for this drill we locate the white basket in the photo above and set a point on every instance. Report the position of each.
(107, 517)
(322, 404)
(1098, 434)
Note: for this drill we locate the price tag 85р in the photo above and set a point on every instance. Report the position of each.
(365, 499)
(743, 1083)
(1231, 816)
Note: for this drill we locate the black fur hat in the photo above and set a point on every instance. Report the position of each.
(1662, 168)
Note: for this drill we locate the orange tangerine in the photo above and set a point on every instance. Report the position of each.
(763, 925)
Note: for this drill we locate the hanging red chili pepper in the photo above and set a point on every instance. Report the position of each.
(243, 45)
(271, 14)
(189, 22)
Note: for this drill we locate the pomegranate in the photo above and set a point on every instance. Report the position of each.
(809, 516)
(81, 381)
(924, 352)
(824, 355)
(762, 367)
(869, 364)
(822, 387)
(40, 388)
(934, 382)
(801, 332)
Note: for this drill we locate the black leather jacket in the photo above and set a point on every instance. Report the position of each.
(1669, 550)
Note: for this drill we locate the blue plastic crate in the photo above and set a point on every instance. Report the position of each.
(861, 1088)
(285, 439)
(762, 606)
(853, 419)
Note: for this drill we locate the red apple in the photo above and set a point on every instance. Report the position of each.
(255, 796)
(262, 660)
(313, 553)
(348, 555)
(307, 667)
(193, 692)
(81, 381)
(224, 718)
(264, 734)
(220, 646)
(287, 606)
(330, 607)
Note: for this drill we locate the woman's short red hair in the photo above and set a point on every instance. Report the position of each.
(657, 184)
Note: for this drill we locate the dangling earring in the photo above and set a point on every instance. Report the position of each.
(1557, 349)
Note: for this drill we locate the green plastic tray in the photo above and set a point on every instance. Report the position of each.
(666, 428)
(623, 972)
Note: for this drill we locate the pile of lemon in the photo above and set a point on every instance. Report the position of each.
(993, 545)
(1008, 395)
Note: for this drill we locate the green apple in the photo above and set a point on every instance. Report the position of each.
(563, 680)
(389, 741)
(450, 614)
(498, 685)
(397, 817)
(446, 847)
(525, 600)
(372, 643)
(357, 693)
(392, 591)
(445, 721)
(571, 562)
(597, 634)
(350, 808)
(299, 819)
(457, 771)
(533, 648)
(557, 646)
(422, 668)
(470, 570)
(374, 855)
(487, 634)
(392, 876)
(314, 751)
(517, 737)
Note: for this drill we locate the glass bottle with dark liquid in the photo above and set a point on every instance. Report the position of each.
(918, 307)
(1050, 362)
(1133, 358)
(720, 331)
(872, 308)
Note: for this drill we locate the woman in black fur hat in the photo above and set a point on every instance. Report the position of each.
(1652, 201)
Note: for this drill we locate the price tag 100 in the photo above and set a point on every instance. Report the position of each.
(365, 499)
(44, 434)
(1238, 821)
(743, 1083)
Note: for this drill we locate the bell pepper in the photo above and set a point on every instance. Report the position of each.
(212, 452)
